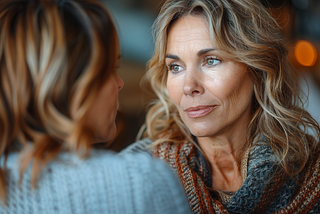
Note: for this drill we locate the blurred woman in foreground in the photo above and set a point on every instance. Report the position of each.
(229, 119)
(59, 95)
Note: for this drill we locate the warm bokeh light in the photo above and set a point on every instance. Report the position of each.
(305, 53)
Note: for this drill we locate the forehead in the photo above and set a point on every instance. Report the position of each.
(189, 32)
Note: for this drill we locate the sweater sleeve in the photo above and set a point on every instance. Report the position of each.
(156, 187)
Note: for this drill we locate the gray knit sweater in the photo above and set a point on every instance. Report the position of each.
(103, 183)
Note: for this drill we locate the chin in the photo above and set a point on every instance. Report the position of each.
(199, 132)
(200, 129)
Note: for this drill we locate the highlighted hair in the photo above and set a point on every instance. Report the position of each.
(247, 33)
(54, 57)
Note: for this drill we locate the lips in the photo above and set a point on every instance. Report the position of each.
(199, 111)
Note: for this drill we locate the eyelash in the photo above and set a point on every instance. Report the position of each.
(205, 61)
(170, 68)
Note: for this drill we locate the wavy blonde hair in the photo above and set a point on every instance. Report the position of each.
(247, 33)
(54, 57)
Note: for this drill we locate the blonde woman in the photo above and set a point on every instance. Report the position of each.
(59, 95)
(229, 119)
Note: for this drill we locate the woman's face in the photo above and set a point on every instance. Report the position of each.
(102, 112)
(212, 93)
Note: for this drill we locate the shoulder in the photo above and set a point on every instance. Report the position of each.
(150, 184)
(105, 181)
(102, 162)
(156, 188)
(141, 146)
(160, 190)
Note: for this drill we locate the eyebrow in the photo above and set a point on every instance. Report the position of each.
(201, 52)
(171, 56)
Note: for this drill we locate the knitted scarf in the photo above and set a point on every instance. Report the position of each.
(267, 189)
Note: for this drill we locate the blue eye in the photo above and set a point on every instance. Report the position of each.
(174, 68)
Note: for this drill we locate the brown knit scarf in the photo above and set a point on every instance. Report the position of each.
(182, 159)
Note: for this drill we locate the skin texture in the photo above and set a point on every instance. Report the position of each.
(213, 95)
(102, 113)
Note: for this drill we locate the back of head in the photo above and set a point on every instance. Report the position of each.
(54, 57)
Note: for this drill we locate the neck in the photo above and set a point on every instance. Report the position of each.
(224, 154)
(231, 143)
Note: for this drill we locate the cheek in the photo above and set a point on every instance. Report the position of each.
(234, 91)
(240, 95)
(174, 91)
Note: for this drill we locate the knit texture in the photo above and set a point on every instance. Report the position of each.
(103, 183)
(267, 189)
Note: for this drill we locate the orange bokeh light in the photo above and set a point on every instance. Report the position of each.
(305, 53)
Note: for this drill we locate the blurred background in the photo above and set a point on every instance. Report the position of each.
(299, 19)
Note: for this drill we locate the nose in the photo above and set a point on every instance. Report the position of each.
(192, 84)
(119, 81)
